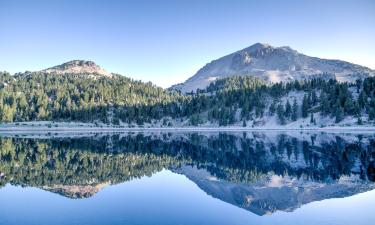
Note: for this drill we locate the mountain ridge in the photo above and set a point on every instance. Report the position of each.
(273, 64)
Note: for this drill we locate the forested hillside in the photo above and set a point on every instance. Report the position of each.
(238, 101)
(41, 96)
(252, 102)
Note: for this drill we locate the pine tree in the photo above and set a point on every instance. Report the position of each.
(324, 104)
(359, 120)
(295, 110)
(281, 114)
(312, 119)
(305, 107)
(358, 84)
(288, 109)
(371, 114)
(314, 98)
(339, 114)
(272, 109)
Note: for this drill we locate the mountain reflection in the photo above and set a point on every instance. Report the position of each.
(260, 172)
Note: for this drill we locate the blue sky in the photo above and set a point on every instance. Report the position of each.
(168, 41)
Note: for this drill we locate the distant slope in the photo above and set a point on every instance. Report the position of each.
(273, 64)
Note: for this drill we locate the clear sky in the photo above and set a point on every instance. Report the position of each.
(168, 41)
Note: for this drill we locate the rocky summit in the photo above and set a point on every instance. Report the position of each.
(78, 67)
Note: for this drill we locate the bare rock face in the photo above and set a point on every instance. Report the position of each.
(76, 191)
(78, 67)
(273, 64)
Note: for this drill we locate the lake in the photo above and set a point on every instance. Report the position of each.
(187, 178)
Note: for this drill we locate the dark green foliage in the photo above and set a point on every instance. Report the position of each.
(37, 96)
(314, 98)
(324, 104)
(371, 114)
(339, 114)
(288, 109)
(312, 119)
(281, 114)
(305, 106)
(235, 83)
(294, 111)
(272, 108)
(195, 119)
(359, 121)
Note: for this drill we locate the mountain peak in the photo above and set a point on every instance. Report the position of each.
(273, 64)
(258, 46)
(266, 48)
(77, 67)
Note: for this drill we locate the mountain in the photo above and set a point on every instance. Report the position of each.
(274, 193)
(273, 64)
(78, 67)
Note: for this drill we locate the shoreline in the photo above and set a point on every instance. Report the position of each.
(82, 127)
(128, 129)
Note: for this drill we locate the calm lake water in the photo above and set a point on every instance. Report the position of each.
(187, 178)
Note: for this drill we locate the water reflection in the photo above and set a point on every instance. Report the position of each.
(260, 172)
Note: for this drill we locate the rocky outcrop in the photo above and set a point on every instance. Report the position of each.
(76, 191)
(78, 67)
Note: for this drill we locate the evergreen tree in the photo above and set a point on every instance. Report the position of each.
(295, 110)
(314, 98)
(281, 114)
(324, 104)
(272, 108)
(359, 120)
(288, 109)
(371, 114)
(339, 114)
(312, 119)
(305, 107)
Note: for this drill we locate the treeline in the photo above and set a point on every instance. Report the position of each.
(38, 96)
